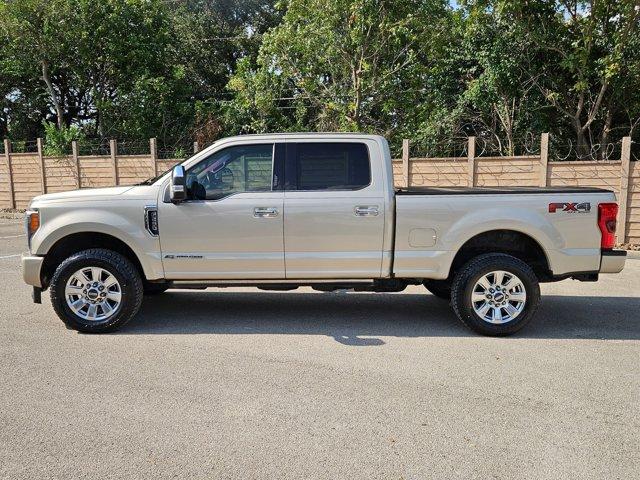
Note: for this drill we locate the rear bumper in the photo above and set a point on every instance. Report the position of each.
(612, 261)
(31, 267)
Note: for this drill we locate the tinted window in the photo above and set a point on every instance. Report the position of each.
(332, 166)
(243, 168)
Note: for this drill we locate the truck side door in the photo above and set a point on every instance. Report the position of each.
(230, 226)
(334, 210)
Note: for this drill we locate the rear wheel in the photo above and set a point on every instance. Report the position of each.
(96, 291)
(439, 288)
(495, 294)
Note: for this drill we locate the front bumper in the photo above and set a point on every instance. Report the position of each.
(31, 267)
(612, 261)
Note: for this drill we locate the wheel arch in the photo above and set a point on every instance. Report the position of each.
(79, 241)
(508, 241)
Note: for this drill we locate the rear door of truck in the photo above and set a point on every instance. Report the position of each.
(334, 208)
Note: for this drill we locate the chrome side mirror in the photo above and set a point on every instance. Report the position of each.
(178, 190)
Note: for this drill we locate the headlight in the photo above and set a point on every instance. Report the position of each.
(32, 224)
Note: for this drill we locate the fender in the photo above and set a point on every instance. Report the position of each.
(125, 223)
(527, 222)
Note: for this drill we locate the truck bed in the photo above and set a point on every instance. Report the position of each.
(494, 190)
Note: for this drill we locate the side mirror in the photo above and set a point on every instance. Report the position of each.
(178, 190)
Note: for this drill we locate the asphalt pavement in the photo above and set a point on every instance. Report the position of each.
(242, 384)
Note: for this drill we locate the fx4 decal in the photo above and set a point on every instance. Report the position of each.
(584, 207)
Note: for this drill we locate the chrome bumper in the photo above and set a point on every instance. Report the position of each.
(612, 261)
(31, 267)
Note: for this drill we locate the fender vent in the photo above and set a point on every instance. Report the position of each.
(151, 220)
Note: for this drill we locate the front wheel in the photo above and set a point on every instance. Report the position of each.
(96, 291)
(495, 294)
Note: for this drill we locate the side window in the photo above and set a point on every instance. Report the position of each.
(332, 166)
(243, 168)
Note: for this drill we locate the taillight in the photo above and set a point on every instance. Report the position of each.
(607, 214)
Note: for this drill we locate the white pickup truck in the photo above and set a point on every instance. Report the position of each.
(288, 210)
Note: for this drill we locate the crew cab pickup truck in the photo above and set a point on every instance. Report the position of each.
(287, 210)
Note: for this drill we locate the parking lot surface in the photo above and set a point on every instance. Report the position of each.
(237, 383)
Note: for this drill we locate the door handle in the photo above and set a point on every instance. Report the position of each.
(366, 211)
(265, 212)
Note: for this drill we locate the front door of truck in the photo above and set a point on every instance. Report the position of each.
(230, 226)
(334, 211)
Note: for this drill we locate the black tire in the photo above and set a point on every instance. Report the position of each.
(154, 288)
(465, 281)
(439, 288)
(117, 265)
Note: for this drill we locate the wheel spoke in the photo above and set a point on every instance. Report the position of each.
(106, 308)
(511, 310)
(518, 297)
(78, 304)
(484, 283)
(115, 296)
(478, 297)
(497, 315)
(85, 278)
(512, 283)
(110, 280)
(498, 277)
(73, 290)
(482, 311)
(96, 274)
(93, 312)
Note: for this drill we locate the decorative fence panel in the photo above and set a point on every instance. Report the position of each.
(25, 175)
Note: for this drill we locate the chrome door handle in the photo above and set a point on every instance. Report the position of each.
(366, 211)
(265, 212)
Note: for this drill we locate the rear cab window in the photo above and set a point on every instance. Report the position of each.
(330, 166)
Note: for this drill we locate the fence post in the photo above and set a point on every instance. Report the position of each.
(76, 161)
(196, 147)
(113, 148)
(7, 155)
(625, 160)
(154, 155)
(405, 163)
(471, 161)
(43, 179)
(544, 158)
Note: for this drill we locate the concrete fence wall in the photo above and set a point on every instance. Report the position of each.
(622, 176)
(25, 175)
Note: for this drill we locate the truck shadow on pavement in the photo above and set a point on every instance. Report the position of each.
(361, 319)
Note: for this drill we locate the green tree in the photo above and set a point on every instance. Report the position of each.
(343, 65)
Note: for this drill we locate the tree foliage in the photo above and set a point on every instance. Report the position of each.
(180, 70)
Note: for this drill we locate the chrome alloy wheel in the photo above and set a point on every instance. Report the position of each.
(498, 297)
(93, 293)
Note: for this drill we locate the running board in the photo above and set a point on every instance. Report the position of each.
(323, 285)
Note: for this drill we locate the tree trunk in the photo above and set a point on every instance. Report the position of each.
(604, 137)
(582, 147)
(52, 93)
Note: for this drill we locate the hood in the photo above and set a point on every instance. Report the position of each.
(81, 195)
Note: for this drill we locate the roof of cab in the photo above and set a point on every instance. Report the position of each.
(304, 134)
